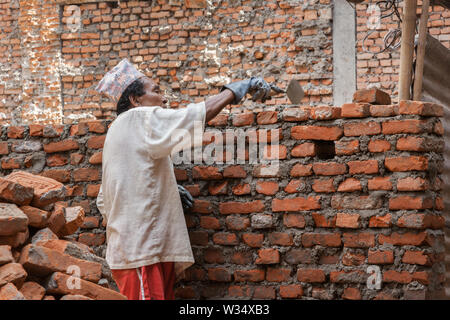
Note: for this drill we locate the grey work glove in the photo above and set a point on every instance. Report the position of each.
(186, 199)
(256, 86)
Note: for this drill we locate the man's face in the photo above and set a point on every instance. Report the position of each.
(152, 96)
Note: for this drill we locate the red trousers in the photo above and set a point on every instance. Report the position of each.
(153, 282)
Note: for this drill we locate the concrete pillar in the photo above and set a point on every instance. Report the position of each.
(344, 52)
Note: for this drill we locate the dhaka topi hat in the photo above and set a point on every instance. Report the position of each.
(118, 79)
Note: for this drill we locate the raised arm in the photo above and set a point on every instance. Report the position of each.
(216, 103)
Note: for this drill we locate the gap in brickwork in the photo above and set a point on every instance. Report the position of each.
(325, 149)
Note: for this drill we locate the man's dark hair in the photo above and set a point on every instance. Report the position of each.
(135, 89)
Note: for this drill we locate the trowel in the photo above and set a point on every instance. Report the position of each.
(294, 91)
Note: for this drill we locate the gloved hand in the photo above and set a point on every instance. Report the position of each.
(186, 199)
(256, 86)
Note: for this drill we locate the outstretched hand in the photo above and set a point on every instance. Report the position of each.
(186, 199)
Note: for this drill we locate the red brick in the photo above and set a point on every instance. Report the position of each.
(296, 114)
(412, 184)
(202, 206)
(322, 239)
(76, 158)
(36, 217)
(281, 239)
(379, 183)
(199, 238)
(11, 191)
(413, 144)
(384, 110)
(347, 147)
(241, 207)
(325, 113)
(350, 185)
(321, 185)
(90, 222)
(42, 261)
(252, 275)
(86, 174)
(420, 108)
(267, 187)
(5, 254)
(220, 120)
(404, 239)
(234, 172)
(293, 220)
(264, 292)
(372, 96)
(60, 175)
(241, 189)
(295, 256)
(61, 146)
(410, 203)
(243, 119)
(32, 290)
(304, 150)
(379, 146)
(78, 129)
(58, 284)
(291, 291)
(96, 126)
(14, 273)
(358, 240)
(353, 259)
(329, 168)
(268, 256)
(397, 276)
(278, 274)
(36, 130)
(348, 220)
(363, 167)
(322, 221)
(16, 132)
(438, 128)
(311, 275)
(413, 163)
(4, 148)
(206, 173)
(253, 240)
(91, 239)
(234, 222)
(219, 274)
(242, 257)
(295, 186)
(355, 110)
(296, 204)
(10, 292)
(316, 133)
(380, 257)
(417, 257)
(239, 291)
(420, 221)
(361, 129)
(267, 117)
(405, 126)
(351, 294)
(225, 238)
(96, 142)
(380, 221)
(11, 163)
(96, 158)
(300, 170)
(275, 152)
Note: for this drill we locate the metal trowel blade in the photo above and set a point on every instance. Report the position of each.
(295, 92)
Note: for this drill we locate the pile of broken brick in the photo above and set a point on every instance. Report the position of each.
(38, 261)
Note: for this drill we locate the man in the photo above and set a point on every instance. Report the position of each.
(148, 245)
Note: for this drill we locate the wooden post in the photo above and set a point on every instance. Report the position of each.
(418, 75)
(407, 48)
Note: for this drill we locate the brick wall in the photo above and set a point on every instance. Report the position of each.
(356, 186)
(381, 69)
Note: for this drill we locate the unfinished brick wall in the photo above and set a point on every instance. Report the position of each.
(357, 186)
(190, 47)
(381, 69)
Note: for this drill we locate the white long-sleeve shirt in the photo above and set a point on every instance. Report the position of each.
(139, 196)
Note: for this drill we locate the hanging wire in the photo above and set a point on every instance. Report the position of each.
(392, 38)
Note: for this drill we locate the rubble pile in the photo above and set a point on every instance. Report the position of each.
(38, 261)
